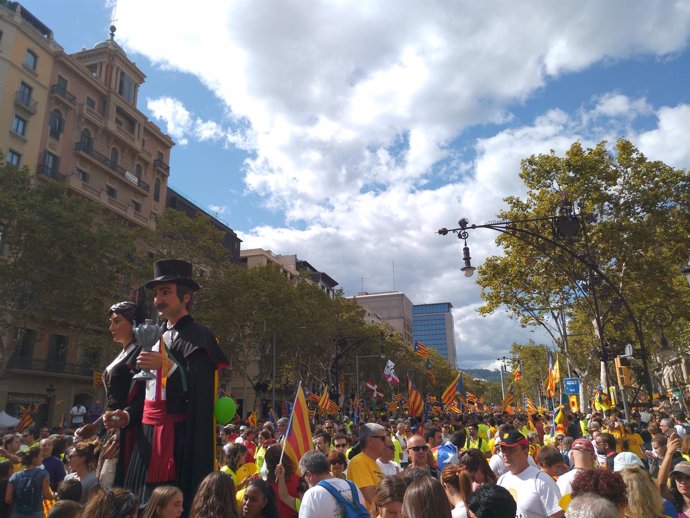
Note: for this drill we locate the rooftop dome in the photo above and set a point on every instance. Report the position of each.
(110, 43)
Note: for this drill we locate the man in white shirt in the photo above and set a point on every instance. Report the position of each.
(535, 493)
(77, 414)
(385, 461)
(318, 501)
(584, 458)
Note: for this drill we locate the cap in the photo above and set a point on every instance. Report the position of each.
(582, 445)
(243, 428)
(624, 459)
(514, 438)
(682, 467)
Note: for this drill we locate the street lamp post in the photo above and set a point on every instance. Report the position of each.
(501, 369)
(566, 224)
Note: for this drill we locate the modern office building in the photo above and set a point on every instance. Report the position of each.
(392, 307)
(73, 119)
(432, 325)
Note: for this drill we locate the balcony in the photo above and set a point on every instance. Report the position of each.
(45, 171)
(161, 165)
(24, 100)
(60, 90)
(87, 149)
(48, 367)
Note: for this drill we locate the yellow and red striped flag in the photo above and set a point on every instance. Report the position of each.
(251, 419)
(298, 436)
(448, 395)
(529, 406)
(324, 401)
(414, 398)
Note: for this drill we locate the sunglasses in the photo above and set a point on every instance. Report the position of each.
(417, 449)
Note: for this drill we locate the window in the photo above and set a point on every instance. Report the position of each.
(157, 190)
(14, 158)
(62, 83)
(114, 157)
(26, 338)
(90, 103)
(57, 123)
(111, 192)
(126, 87)
(136, 205)
(83, 175)
(85, 139)
(19, 125)
(160, 156)
(30, 59)
(51, 163)
(137, 171)
(57, 352)
(25, 92)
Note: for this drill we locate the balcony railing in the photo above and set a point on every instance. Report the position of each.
(45, 366)
(89, 150)
(23, 98)
(49, 172)
(63, 92)
(161, 165)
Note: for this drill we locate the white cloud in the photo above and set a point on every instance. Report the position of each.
(349, 109)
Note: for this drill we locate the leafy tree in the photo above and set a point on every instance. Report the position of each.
(61, 261)
(632, 227)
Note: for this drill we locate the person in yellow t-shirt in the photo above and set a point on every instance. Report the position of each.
(475, 441)
(363, 469)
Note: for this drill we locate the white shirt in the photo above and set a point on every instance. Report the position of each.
(499, 467)
(680, 430)
(388, 468)
(535, 493)
(459, 511)
(77, 413)
(319, 503)
(565, 481)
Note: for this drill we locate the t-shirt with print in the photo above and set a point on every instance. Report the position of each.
(535, 493)
(364, 472)
(319, 503)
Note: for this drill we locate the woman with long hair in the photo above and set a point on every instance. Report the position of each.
(644, 500)
(424, 497)
(457, 483)
(477, 466)
(31, 461)
(82, 458)
(259, 500)
(120, 391)
(117, 503)
(165, 502)
(215, 497)
(235, 457)
(680, 489)
(272, 459)
(388, 497)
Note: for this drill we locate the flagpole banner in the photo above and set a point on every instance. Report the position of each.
(298, 435)
(449, 394)
(414, 398)
(389, 373)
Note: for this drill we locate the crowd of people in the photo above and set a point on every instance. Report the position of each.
(151, 453)
(471, 465)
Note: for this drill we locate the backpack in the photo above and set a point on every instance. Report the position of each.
(27, 493)
(352, 508)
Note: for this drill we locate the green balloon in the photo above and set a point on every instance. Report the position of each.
(225, 409)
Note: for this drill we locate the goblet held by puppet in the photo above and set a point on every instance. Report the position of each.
(147, 335)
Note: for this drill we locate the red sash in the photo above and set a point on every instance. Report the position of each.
(162, 463)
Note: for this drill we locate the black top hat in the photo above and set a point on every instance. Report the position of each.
(172, 270)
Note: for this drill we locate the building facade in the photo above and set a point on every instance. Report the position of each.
(72, 118)
(432, 325)
(392, 307)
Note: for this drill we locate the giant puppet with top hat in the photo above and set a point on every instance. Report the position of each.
(176, 445)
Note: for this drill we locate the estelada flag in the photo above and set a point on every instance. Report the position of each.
(324, 401)
(415, 398)
(421, 350)
(517, 375)
(298, 436)
(448, 395)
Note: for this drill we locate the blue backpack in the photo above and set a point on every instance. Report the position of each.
(352, 508)
(27, 492)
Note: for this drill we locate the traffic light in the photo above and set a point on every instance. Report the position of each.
(623, 371)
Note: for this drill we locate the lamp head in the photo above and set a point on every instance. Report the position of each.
(467, 268)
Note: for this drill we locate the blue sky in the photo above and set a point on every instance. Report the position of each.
(348, 132)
